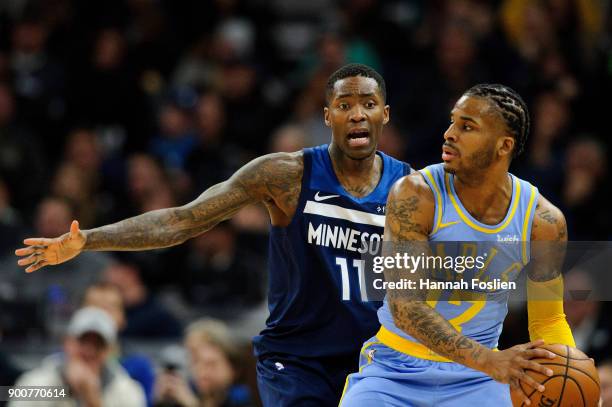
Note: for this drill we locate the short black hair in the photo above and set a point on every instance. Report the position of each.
(351, 70)
(512, 108)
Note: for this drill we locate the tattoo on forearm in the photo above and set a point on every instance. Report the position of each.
(422, 322)
(166, 227)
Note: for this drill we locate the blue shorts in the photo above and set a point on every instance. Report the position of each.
(387, 377)
(287, 380)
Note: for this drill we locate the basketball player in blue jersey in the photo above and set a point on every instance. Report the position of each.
(438, 352)
(327, 208)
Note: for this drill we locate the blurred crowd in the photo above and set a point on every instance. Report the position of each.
(116, 107)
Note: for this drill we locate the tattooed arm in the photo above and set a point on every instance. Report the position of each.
(410, 215)
(545, 282)
(548, 226)
(274, 179)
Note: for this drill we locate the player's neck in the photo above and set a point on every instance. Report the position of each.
(358, 177)
(487, 196)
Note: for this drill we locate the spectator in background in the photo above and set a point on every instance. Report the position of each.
(108, 297)
(544, 159)
(78, 188)
(221, 277)
(590, 323)
(39, 81)
(176, 138)
(214, 159)
(145, 316)
(393, 142)
(249, 116)
(605, 380)
(214, 367)
(85, 368)
(11, 227)
(55, 294)
(118, 108)
(585, 191)
(147, 184)
(21, 156)
(289, 138)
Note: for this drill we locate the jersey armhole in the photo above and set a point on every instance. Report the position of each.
(307, 154)
(528, 223)
(426, 173)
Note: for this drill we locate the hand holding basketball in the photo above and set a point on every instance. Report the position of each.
(43, 251)
(510, 365)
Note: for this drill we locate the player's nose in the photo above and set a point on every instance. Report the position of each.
(357, 114)
(449, 134)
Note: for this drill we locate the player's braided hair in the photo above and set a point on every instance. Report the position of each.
(350, 70)
(512, 108)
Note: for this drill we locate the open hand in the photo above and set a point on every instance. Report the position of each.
(43, 251)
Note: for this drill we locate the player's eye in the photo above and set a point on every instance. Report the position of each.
(370, 104)
(467, 127)
(343, 106)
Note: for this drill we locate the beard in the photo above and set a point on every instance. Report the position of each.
(481, 159)
(475, 164)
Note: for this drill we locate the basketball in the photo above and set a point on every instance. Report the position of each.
(574, 381)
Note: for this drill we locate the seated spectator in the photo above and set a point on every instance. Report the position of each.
(108, 297)
(9, 372)
(11, 226)
(145, 316)
(605, 380)
(54, 295)
(588, 318)
(214, 364)
(85, 369)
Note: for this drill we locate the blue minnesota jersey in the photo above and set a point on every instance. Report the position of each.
(317, 298)
(477, 313)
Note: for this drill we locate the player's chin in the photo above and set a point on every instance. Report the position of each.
(449, 167)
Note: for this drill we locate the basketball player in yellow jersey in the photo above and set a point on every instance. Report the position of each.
(429, 355)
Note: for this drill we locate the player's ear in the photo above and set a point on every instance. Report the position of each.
(326, 116)
(506, 146)
(386, 116)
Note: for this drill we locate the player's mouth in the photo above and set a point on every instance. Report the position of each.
(448, 152)
(358, 137)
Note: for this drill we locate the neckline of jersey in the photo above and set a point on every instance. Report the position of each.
(328, 163)
(464, 213)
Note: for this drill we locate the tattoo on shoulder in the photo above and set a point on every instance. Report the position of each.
(401, 214)
(547, 216)
(277, 177)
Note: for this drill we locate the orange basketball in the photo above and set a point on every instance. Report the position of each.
(574, 381)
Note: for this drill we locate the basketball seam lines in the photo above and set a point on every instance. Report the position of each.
(579, 389)
(571, 367)
(566, 369)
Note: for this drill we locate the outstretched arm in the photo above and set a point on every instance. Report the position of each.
(410, 214)
(273, 179)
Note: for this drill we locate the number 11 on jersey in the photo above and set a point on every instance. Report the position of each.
(346, 282)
